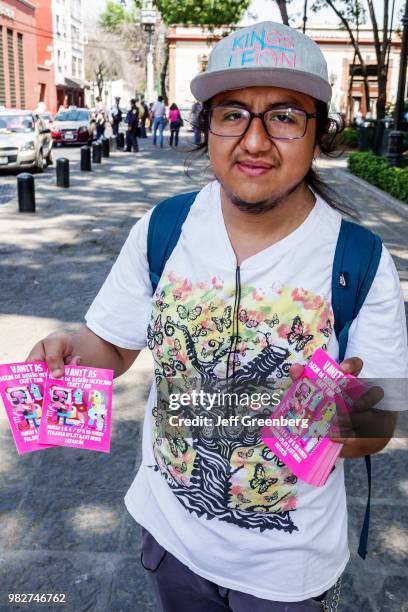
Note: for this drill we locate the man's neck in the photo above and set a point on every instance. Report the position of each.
(250, 233)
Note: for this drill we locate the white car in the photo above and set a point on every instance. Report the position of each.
(25, 141)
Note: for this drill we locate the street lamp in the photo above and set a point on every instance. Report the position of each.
(148, 19)
(396, 138)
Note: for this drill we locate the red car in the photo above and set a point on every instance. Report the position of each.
(72, 126)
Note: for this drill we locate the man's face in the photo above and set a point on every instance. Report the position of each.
(254, 168)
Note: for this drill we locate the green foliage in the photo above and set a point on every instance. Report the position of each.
(349, 138)
(114, 16)
(378, 172)
(210, 13)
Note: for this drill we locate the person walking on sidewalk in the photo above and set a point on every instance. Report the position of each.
(116, 116)
(243, 300)
(175, 124)
(195, 121)
(159, 115)
(100, 118)
(132, 121)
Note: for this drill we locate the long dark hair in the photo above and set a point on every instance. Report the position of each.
(328, 138)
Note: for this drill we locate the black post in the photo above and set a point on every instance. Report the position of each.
(105, 147)
(97, 153)
(86, 159)
(26, 192)
(112, 143)
(396, 139)
(120, 140)
(62, 172)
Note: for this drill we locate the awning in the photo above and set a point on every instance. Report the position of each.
(74, 83)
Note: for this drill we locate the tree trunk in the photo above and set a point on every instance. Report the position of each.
(283, 11)
(163, 74)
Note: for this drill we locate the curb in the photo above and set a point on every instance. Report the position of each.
(402, 209)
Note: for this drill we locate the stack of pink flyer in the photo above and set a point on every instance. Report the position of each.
(43, 411)
(22, 391)
(306, 416)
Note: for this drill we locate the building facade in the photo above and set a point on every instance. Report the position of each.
(190, 47)
(68, 51)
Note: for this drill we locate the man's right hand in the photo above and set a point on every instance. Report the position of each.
(83, 346)
(57, 350)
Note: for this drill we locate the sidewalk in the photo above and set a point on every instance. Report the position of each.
(64, 525)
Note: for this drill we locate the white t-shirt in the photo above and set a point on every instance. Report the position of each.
(240, 518)
(159, 109)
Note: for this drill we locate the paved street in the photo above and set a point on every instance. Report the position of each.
(64, 528)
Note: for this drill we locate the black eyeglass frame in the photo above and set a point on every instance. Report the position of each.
(261, 117)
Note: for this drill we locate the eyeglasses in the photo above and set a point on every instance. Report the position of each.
(280, 123)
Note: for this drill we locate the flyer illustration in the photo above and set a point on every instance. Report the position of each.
(22, 391)
(77, 409)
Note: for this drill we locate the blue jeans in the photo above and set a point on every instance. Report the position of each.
(158, 122)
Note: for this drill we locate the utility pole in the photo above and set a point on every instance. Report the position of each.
(148, 15)
(396, 138)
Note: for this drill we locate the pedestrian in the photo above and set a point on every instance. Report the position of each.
(143, 117)
(159, 115)
(116, 116)
(175, 124)
(195, 115)
(243, 301)
(100, 118)
(132, 121)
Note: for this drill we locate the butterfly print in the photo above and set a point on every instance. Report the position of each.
(173, 366)
(244, 318)
(327, 331)
(296, 335)
(186, 313)
(291, 479)
(224, 321)
(160, 303)
(181, 468)
(158, 416)
(177, 444)
(272, 322)
(260, 481)
(242, 499)
(245, 454)
(155, 334)
(176, 348)
(271, 498)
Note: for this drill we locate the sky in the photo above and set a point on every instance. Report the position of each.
(265, 10)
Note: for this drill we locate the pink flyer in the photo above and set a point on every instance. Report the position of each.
(22, 392)
(309, 415)
(77, 409)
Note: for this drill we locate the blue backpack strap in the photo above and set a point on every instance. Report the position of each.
(164, 231)
(356, 260)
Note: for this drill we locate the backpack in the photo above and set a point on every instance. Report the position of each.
(356, 260)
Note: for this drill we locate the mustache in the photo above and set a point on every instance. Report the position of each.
(261, 206)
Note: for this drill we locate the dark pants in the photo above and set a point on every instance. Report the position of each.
(174, 134)
(115, 127)
(100, 130)
(179, 589)
(131, 141)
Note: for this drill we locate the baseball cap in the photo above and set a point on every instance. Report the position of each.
(264, 54)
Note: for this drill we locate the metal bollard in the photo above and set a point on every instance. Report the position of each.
(97, 153)
(120, 140)
(112, 143)
(86, 159)
(105, 147)
(62, 172)
(26, 192)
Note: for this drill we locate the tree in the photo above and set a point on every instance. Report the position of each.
(209, 14)
(348, 13)
(101, 63)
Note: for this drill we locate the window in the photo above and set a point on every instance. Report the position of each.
(74, 66)
(58, 25)
(2, 73)
(59, 61)
(80, 67)
(11, 67)
(21, 70)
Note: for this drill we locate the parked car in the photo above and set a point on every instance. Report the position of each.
(48, 119)
(72, 126)
(25, 141)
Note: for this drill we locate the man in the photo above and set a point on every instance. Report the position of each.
(159, 114)
(244, 297)
(132, 121)
(116, 116)
(195, 114)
